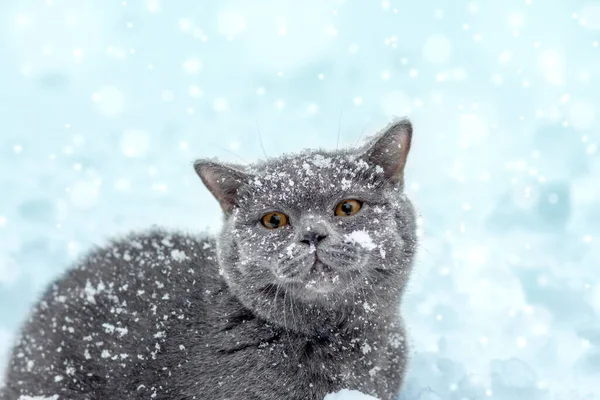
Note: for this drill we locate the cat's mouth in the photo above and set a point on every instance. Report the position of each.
(320, 267)
(321, 277)
(318, 278)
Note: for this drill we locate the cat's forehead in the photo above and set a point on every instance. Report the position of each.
(309, 163)
(309, 176)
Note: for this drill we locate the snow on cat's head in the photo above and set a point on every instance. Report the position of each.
(346, 394)
(317, 226)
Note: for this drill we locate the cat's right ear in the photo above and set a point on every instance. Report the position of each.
(222, 180)
(389, 149)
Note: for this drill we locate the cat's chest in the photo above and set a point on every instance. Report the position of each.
(308, 365)
(257, 362)
(331, 357)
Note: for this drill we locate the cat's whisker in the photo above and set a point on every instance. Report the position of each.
(353, 297)
(361, 134)
(371, 288)
(424, 248)
(284, 313)
(285, 320)
(274, 305)
(292, 311)
(364, 294)
(230, 152)
(341, 254)
(337, 145)
(260, 140)
(265, 292)
(379, 296)
(296, 259)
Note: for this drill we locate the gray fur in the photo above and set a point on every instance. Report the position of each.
(250, 315)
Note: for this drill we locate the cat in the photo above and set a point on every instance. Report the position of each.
(297, 297)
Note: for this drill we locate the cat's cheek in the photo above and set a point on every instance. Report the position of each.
(380, 243)
(380, 249)
(267, 249)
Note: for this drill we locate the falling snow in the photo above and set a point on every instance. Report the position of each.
(348, 395)
(107, 105)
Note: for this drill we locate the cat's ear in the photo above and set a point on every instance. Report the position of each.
(389, 150)
(222, 180)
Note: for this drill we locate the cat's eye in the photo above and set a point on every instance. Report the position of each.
(346, 208)
(274, 220)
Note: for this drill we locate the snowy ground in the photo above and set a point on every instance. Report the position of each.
(104, 106)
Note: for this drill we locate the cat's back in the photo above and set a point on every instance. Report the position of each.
(118, 303)
(136, 275)
(141, 266)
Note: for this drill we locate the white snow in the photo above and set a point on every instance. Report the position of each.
(290, 250)
(366, 348)
(346, 394)
(108, 328)
(178, 255)
(368, 308)
(504, 100)
(362, 238)
(55, 397)
(90, 292)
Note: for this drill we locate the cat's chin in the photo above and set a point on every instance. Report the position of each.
(319, 283)
(314, 291)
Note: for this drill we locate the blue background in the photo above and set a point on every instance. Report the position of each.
(104, 105)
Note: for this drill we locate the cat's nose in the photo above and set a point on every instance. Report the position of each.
(313, 237)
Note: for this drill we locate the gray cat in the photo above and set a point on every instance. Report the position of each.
(298, 296)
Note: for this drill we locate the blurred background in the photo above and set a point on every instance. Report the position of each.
(104, 105)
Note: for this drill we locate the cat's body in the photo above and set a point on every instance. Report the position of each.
(295, 312)
(173, 302)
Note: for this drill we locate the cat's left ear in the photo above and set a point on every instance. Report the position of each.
(222, 180)
(389, 150)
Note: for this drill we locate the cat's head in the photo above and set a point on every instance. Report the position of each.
(318, 226)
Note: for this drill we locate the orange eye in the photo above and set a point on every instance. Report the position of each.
(346, 208)
(274, 220)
